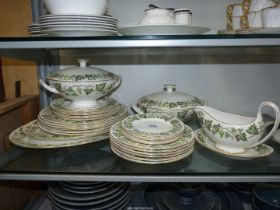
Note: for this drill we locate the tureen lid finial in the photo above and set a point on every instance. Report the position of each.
(83, 62)
(170, 88)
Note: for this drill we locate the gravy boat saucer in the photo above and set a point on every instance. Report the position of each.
(250, 153)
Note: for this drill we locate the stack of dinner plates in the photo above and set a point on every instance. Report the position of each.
(151, 139)
(78, 25)
(61, 125)
(90, 195)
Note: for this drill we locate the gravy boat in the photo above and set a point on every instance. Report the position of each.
(233, 133)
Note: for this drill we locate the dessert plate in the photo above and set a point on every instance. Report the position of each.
(172, 29)
(256, 152)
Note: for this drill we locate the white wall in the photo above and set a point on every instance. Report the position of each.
(237, 88)
(208, 13)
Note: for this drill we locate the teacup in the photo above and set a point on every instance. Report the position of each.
(236, 22)
(271, 17)
(251, 20)
(183, 16)
(156, 16)
(257, 5)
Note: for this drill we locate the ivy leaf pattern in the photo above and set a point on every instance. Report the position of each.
(241, 137)
(100, 87)
(253, 130)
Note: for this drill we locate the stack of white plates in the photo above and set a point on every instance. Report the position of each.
(61, 125)
(90, 195)
(151, 139)
(78, 25)
(34, 29)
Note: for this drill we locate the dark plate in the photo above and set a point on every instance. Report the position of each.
(96, 197)
(267, 196)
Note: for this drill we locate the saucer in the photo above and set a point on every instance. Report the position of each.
(168, 29)
(256, 152)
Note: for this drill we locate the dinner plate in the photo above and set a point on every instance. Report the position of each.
(172, 29)
(88, 191)
(78, 32)
(18, 138)
(82, 17)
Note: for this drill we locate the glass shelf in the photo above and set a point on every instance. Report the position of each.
(96, 162)
(256, 48)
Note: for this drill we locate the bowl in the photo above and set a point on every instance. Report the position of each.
(267, 196)
(76, 7)
(170, 102)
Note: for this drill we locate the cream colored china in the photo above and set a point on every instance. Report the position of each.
(32, 130)
(252, 20)
(255, 152)
(234, 133)
(169, 102)
(82, 85)
(18, 138)
(81, 7)
(256, 5)
(153, 126)
(183, 16)
(135, 151)
(157, 16)
(116, 134)
(271, 17)
(144, 160)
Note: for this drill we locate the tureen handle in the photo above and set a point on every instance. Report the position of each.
(136, 109)
(83, 62)
(118, 83)
(276, 121)
(49, 88)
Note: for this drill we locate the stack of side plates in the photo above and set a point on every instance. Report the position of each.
(151, 139)
(78, 25)
(89, 195)
(62, 126)
(34, 29)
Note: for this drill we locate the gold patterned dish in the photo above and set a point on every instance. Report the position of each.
(153, 126)
(145, 152)
(19, 138)
(256, 152)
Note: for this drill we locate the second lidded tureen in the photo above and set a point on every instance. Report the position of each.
(169, 101)
(82, 85)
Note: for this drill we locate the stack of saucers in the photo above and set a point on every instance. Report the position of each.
(61, 125)
(78, 25)
(90, 195)
(151, 139)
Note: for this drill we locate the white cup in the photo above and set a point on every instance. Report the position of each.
(255, 19)
(183, 16)
(271, 17)
(157, 16)
(236, 22)
(257, 5)
(237, 10)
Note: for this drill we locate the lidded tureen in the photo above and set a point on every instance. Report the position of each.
(82, 85)
(169, 101)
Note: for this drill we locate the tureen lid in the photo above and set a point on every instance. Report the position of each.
(169, 99)
(82, 73)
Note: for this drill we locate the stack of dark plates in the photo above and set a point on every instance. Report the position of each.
(244, 191)
(266, 197)
(89, 195)
(186, 196)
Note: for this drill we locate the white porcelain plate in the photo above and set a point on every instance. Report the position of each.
(78, 32)
(256, 152)
(172, 29)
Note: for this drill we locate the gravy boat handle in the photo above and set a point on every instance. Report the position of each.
(276, 122)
